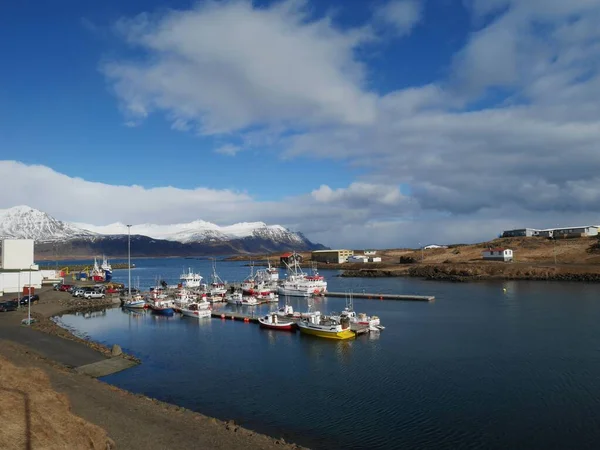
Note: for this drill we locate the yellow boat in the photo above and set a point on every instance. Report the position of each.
(326, 328)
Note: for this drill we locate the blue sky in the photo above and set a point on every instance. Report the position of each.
(359, 123)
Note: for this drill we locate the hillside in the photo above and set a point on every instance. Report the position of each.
(576, 259)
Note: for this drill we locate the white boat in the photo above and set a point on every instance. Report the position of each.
(299, 284)
(234, 298)
(267, 296)
(360, 320)
(249, 300)
(217, 285)
(197, 310)
(190, 279)
(183, 298)
(135, 302)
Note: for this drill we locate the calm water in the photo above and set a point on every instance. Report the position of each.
(479, 367)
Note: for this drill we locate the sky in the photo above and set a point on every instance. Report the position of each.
(360, 123)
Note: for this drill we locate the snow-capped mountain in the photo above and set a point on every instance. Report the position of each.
(23, 222)
(183, 239)
(200, 231)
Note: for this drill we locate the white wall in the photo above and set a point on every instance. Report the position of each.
(13, 282)
(17, 253)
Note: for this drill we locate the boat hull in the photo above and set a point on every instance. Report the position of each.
(196, 314)
(163, 311)
(324, 333)
(288, 326)
(135, 305)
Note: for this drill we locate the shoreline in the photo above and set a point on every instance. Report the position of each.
(218, 433)
(469, 272)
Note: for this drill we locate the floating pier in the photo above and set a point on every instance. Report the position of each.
(228, 315)
(414, 298)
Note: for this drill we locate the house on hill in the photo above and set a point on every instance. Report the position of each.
(497, 254)
(289, 258)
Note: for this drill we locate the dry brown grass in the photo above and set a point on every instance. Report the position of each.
(35, 416)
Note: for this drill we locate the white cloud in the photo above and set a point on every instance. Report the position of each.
(228, 149)
(226, 66)
(402, 15)
(512, 132)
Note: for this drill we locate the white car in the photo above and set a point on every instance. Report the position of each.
(89, 294)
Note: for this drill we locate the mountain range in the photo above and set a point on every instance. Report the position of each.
(58, 239)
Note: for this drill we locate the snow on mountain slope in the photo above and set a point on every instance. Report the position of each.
(200, 231)
(23, 222)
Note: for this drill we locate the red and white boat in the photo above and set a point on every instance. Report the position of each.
(271, 321)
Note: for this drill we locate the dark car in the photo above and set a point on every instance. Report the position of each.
(8, 305)
(34, 299)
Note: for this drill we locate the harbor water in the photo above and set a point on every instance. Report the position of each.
(487, 365)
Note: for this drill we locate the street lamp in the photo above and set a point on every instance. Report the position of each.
(29, 299)
(422, 255)
(129, 259)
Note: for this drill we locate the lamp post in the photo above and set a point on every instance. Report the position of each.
(29, 299)
(129, 259)
(422, 255)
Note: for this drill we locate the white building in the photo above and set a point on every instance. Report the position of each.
(497, 254)
(370, 252)
(434, 246)
(357, 259)
(375, 259)
(18, 269)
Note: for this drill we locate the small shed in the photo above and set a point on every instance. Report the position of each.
(497, 254)
(289, 258)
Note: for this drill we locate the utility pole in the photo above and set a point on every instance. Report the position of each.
(129, 259)
(554, 239)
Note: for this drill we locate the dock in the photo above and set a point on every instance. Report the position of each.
(368, 295)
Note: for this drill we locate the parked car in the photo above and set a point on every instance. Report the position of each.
(93, 294)
(9, 305)
(65, 287)
(25, 299)
(80, 291)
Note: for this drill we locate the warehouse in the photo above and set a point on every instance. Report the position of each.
(521, 232)
(332, 256)
(18, 270)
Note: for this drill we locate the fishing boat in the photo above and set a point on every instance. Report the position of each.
(360, 320)
(299, 284)
(272, 322)
(196, 310)
(106, 268)
(135, 302)
(190, 280)
(326, 327)
(217, 285)
(234, 298)
(161, 305)
(249, 300)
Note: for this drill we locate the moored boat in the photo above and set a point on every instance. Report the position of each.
(162, 305)
(271, 321)
(196, 310)
(326, 327)
(135, 302)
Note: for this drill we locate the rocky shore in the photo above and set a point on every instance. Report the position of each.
(485, 271)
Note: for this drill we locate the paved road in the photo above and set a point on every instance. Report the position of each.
(64, 351)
